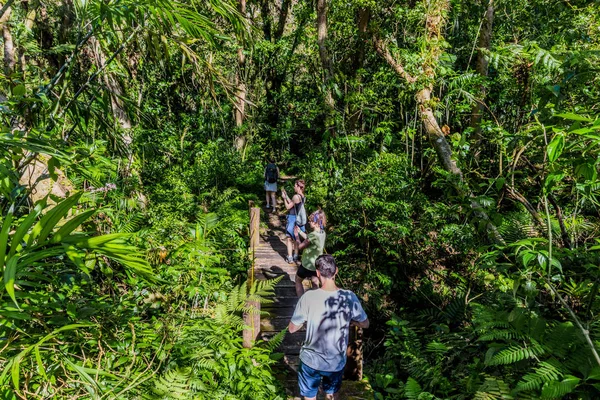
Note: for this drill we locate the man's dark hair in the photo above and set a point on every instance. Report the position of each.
(326, 265)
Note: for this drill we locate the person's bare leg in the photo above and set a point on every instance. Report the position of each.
(334, 396)
(274, 201)
(290, 246)
(295, 248)
(268, 196)
(299, 286)
(310, 398)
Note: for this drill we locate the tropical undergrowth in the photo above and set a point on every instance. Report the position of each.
(98, 302)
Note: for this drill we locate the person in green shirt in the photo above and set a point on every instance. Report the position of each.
(312, 247)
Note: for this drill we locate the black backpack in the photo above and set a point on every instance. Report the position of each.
(271, 173)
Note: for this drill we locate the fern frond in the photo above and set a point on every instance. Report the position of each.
(493, 389)
(274, 342)
(515, 354)
(412, 389)
(557, 390)
(546, 372)
(508, 334)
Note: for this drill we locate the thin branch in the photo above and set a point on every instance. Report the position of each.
(6, 7)
(101, 69)
(383, 51)
(585, 332)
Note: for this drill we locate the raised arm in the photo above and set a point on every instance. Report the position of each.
(363, 324)
(289, 203)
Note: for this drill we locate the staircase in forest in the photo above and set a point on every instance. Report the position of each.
(269, 252)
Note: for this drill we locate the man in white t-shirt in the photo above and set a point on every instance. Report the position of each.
(328, 313)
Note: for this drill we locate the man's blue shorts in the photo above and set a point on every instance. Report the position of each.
(291, 224)
(310, 379)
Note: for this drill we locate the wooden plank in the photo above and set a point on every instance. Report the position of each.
(285, 301)
(281, 310)
(252, 321)
(254, 226)
(285, 291)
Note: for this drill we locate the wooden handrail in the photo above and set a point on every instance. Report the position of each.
(252, 317)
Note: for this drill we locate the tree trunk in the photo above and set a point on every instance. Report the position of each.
(266, 18)
(481, 66)
(434, 133)
(240, 91)
(323, 53)
(434, 24)
(283, 14)
(9, 49)
(364, 16)
(275, 76)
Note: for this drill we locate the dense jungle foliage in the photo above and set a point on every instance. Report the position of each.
(454, 145)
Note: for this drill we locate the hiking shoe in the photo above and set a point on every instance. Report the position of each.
(289, 260)
(295, 258)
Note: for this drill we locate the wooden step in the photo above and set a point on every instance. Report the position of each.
(279, 310)
(285, 291)
(285, 281)
(284, 301)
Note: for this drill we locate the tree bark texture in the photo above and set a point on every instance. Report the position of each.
(115, 90)
(240, 90)
(283, 14)
(9, 49)
(364, 16)
(275, 75)
(323, 53)
(481, 65)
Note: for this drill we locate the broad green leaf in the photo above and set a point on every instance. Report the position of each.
(555, 147)
(19, 90)
(574, 117)
(40, 363)
(9, 278)
(24, 226)
(6, 224)
(52, 165)
(50, 219)
(75, 255)
(71, 225)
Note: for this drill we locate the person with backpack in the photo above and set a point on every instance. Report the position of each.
(271, 178)
(312, 247)
(296, 217)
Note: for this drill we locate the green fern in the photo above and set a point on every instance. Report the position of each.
(493, 389)
(515, 354)
(557, 390)
(545, 372)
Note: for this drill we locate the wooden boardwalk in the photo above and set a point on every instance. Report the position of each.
(269, 263)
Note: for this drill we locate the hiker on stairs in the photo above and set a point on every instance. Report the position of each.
(271, 178)
(328, 313)
(312, 247)
(296, 217)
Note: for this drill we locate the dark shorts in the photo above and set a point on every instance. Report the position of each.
(305, 273)
(310, 379)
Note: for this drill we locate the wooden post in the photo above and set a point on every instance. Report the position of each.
(252, 317)
(354, 364)
(252, 322)
(254, 226)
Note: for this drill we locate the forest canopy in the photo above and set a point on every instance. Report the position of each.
(453, 144)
